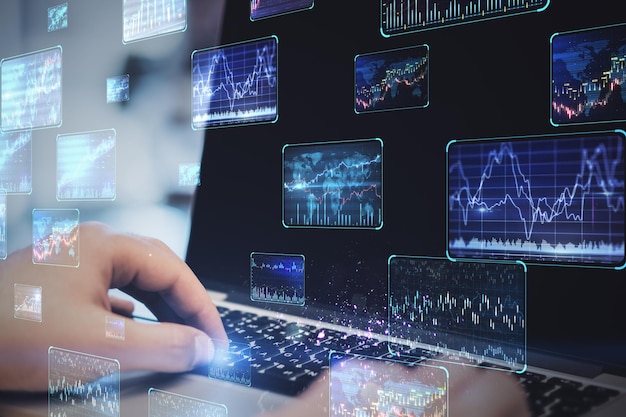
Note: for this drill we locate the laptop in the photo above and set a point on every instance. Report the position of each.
(321, 227)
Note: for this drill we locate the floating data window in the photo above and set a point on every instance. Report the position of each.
(167, 404)
(367, 386)
(475, 311)
(57, 17)
(86, 167)
(31, 90)
(400, 16)
(189, 174)
(235, 84)
(80, 384)
(118, 88)
(27, 302)
(55, 237)
(588, 70)
(16, 166)
(277, 278)
(542, 199)
(3, 224)
(391, 80)
(232, 364)
(143, 19)
(261, 9)
(114, 328)
(333, 184)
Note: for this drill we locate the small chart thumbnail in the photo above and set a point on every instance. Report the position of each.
(235, 84)
(31, 87)
(16, 165)
(333, 184)
(277, 278)
(86, 167)
(55, 237)
(144, 19)
(261, 9)
(391, 80)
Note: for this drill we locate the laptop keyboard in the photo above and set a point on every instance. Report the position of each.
(286, 357)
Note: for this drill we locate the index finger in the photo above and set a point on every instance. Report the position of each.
(149, 265)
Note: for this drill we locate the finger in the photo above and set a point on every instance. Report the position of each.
(150, 265)
(121, 306)
(484, 392)
(163, 347)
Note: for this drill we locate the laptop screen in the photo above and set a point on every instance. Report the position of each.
(263, 186)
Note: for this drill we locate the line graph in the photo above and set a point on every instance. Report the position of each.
(55, 237)
(333, 184)
(548, 199)
(31, 90)
(235, 84)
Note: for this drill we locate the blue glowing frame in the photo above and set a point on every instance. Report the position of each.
(543, 199)
(582, 90)
(86, 166)
(399, 17)
(392, 80)
(16, 165)
(309, 202)
(244, 92)
(263, 9)
(35, 79)
(469, 310)
(140, 22)
(415, 387)
(269, 269)
(56, 239)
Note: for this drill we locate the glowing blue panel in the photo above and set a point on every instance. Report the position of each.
(277, 278)
(468, 308)
(118, 88)
(189, 174)
(333, 184)
(144, 19)
(80, 384)
(390, 80)
(27, 302)
(233, 364)
(588, 70)
(3, 224)
(260, 9)
(235, 84)
(366, 386)
(16, 168)
(57, 17)
(167, 404)
(55, 237)
(406, 16)
(31, 90)
(556, 199)
(86, 166)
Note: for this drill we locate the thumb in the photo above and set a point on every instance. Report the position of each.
(163, 347)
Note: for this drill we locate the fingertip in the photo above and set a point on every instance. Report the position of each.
(204, 350)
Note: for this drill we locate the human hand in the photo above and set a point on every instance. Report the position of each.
(471, 391)
(76, 302)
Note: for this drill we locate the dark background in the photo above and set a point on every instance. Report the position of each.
(487, 79)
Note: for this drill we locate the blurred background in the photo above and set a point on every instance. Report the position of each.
(153, 128)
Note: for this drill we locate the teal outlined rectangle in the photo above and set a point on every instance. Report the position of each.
(466, 310)
(399, 17)
(543, 199)
(335, 185)
(277, 278)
